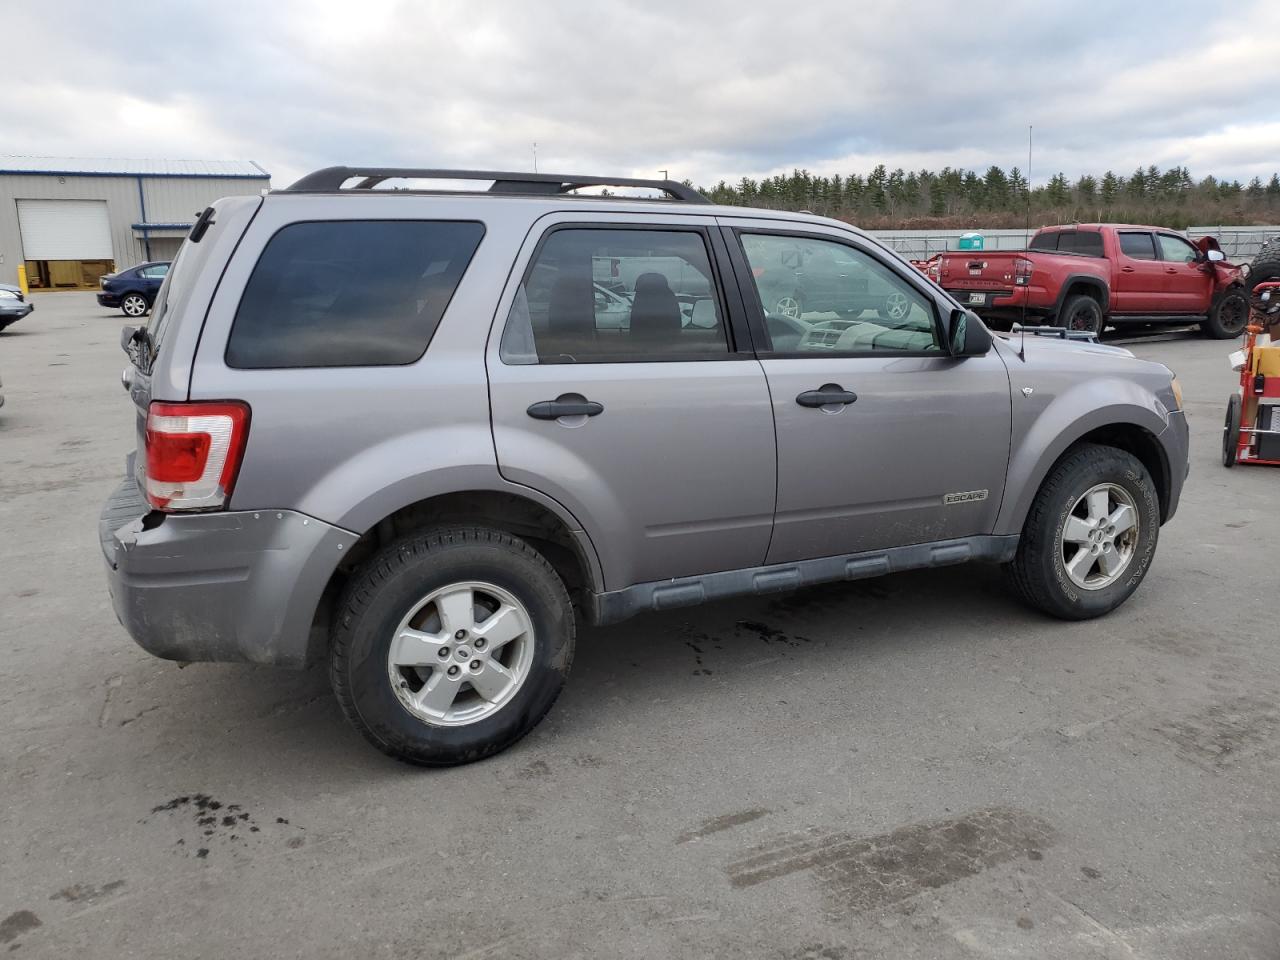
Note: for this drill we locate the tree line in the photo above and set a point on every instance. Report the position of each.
(954, 197)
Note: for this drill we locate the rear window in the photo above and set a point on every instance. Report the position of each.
(1087, 242)
(1045, 241)
(1139, 246)
(350, 293)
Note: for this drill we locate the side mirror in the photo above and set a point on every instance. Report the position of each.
(1215, 256)
(967, 337)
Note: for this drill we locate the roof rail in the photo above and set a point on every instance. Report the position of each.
(331, 179)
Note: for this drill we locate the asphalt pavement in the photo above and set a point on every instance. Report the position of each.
(912, 767)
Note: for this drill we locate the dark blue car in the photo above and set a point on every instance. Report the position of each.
(133, 290)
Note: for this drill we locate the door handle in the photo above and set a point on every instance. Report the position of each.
(1126, 269)
(565, 405)
(827, 393)
(1170, 269)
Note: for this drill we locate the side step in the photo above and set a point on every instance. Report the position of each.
(616, 605)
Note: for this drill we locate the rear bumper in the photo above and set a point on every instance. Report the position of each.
(233, 586)
(108, 300)
(1005, 301)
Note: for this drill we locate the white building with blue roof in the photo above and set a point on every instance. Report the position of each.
(72, 219)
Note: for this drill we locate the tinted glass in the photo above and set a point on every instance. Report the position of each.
(1176, 249)
(1139, 246)
(1087, 242)
(601, 296)
(349, 293)
(155, 272)
(821, 296)
(1045, 241)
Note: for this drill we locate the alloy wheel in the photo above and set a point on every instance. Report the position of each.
(134, 305)
(1100, 536)
(461, 653)
(788, 307)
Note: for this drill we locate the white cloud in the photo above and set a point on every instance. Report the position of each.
(707, 90)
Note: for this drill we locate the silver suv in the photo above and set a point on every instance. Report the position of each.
(419, 433)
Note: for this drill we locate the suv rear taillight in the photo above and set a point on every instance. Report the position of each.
(1022, 271)
(193, 453)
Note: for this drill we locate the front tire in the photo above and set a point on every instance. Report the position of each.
(134, 305)
(1090, 534)
(451, 645)
(1227, 317)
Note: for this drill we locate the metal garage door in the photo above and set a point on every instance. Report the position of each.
(65, 230)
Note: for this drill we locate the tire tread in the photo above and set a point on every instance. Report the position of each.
(359, 595)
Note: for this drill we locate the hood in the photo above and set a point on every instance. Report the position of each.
(1047, 348)
(10, 287)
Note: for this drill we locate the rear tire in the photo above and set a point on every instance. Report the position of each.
(134, 305)
(390, 597)
(1228, 316)
(1082, 312)
(1231, 431)
(1056, 526)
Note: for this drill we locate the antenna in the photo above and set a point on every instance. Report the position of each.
(1022, 327)
(535, 156)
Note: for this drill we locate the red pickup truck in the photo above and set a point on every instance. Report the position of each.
(1088, 275)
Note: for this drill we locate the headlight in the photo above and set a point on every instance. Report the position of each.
(1177, 392)
(8, 295)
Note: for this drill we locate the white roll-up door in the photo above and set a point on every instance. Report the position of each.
(65, 230)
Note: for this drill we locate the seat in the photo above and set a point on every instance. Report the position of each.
(655, 311)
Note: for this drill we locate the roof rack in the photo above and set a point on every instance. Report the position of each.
(331, 179)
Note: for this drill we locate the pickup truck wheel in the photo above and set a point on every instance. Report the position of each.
(1089, 536)
(451, 645)
(1228, 316)
(1082, 312)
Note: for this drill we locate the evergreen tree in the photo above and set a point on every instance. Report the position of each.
(1110, 187)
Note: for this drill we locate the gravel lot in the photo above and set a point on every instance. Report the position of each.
(907, 767)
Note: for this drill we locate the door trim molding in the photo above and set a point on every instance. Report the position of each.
(617, 605)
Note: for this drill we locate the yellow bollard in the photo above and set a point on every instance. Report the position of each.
(22, 279)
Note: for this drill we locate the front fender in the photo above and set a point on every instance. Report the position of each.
(1042, 435)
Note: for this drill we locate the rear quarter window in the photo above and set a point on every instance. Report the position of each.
(1086, 242)
(350, 293)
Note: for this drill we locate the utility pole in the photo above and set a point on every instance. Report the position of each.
(535, 156)
(666, 175)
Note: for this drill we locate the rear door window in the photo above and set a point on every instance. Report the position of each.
(1087, 242)
(614, 295)
(1138, 246)
(350, 293)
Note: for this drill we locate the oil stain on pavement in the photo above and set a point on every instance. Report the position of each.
(860, 873)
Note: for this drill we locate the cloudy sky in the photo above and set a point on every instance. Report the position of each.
(704, 88)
